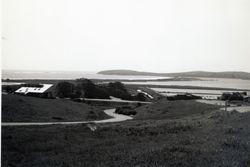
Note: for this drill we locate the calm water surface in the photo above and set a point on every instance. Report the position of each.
(207, 82)
(11, 74)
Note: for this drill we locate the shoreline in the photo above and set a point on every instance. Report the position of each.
(130, 85)
(107, 80)
(184, 87)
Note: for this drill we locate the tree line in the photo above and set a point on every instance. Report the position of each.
(87, 89)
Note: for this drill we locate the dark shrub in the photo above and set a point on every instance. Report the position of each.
(7, 89)
(139, 97)
(10, 88)
(91, 90)
(32, 85)
(126, 110)
(232, 96)
(184, 97)
(117, 89)
(117, 85)
(64, 89)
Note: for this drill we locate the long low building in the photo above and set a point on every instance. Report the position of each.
(38, 90)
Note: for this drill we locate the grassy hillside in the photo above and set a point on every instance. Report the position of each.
(177, 133)
(213, 139)
(173, 109)
(17, 108)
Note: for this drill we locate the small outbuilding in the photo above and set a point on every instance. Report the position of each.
(37, 90)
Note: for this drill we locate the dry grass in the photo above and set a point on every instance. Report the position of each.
(210, 139)
(173, 109)
(17, 108)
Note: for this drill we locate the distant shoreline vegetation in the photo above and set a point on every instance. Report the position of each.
(111, 80)
(203, 74)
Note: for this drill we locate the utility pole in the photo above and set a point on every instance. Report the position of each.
(226, 103)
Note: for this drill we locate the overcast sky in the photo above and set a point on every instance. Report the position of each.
(146, 35)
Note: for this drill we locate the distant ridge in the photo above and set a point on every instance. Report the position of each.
(206, 74)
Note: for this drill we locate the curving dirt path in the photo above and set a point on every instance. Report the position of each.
(110, 112)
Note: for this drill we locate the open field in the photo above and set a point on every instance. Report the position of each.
(205, 138)
(16, 108)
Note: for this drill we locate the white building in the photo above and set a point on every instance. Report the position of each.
(40, 90)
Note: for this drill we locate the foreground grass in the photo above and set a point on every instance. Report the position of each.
(210, 139)
(173, 109)
(16, 108)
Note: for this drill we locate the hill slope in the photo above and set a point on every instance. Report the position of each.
(30, 109)
(172, 110)
(215, 139)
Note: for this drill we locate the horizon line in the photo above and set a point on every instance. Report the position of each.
(40, 70)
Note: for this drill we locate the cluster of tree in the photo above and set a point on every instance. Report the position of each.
(184, 97)
(65, 89)
(126, 110)
(117, 89)
(140, 97)
(233, 96)
(91, 90)
(10, 88)
(86, 88)
(83, 88)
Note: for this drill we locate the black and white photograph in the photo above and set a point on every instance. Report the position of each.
(125, 83)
